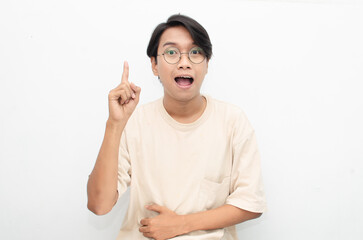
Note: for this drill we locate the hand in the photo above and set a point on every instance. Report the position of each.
(123, 99)
(166, 225)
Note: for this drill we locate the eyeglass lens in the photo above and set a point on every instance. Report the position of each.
(172, 55)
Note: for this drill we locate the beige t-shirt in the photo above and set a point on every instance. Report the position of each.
(189, 168)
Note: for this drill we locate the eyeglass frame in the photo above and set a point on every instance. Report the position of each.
(180, 55)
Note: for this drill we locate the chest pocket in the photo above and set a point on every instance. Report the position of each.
(213, 194)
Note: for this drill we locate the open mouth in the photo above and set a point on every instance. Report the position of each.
(184, 81)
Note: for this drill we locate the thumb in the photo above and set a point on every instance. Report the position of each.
(137, 91)
(135, 88)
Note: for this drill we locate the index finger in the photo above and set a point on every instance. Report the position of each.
(125, 73)
(144, 222)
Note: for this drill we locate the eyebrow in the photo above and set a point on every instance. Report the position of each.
(168, 43)
(172, 43)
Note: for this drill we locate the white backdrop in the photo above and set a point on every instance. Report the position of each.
(295, 67)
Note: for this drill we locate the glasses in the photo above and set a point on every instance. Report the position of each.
(172, 55)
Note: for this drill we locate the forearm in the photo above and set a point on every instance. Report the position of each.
(102, 182)
(224, 216)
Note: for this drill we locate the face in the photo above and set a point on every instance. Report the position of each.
(181, 81)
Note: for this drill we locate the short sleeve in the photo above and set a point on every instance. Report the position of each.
(124, 166)
(246, 181)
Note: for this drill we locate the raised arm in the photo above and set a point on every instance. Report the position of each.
(102, 183)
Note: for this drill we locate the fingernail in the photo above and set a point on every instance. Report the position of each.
(133, 95)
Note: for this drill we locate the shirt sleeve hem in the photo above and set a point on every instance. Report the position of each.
(248, 206)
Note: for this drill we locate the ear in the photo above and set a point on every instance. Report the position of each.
(206, 71)
(154, 66)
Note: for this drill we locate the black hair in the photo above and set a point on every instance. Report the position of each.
(197, 32)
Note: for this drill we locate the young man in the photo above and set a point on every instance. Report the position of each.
(191, 161)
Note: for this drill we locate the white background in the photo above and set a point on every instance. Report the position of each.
(295, 67)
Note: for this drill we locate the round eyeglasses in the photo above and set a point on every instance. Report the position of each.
(172, 55)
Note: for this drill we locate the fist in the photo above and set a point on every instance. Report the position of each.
(123, 99)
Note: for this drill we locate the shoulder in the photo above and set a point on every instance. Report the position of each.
(147, 108)
(228, 110)
(234, 118)
(144, 114)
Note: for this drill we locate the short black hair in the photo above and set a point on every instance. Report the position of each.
(197, 32)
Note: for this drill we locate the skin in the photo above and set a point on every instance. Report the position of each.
(184, 105)
(102, 183)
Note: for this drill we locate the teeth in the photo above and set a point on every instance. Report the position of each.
(185, 77)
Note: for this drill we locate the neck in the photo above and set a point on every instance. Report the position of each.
(185, 111)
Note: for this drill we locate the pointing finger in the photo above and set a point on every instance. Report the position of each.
(125, 73)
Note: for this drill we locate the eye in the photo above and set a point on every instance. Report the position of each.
(195, 51)
(171, 52)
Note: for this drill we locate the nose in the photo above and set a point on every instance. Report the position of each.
(184, 62)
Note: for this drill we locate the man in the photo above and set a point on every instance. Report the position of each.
(191, 161)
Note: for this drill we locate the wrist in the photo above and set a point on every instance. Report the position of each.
(116, 125)
(186, 228)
